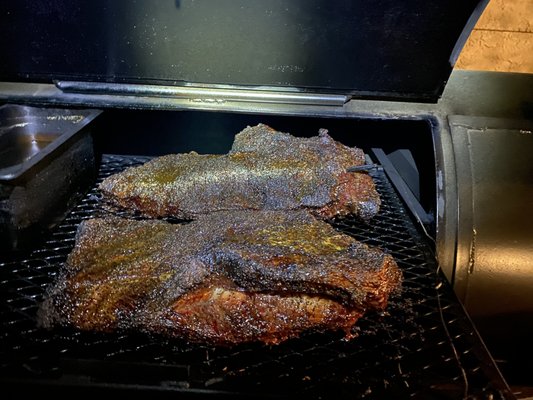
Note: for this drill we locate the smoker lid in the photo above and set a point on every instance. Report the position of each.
(364, 48)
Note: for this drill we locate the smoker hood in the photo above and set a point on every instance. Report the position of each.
(365, 49)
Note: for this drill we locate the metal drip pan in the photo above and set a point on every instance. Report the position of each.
(46, 163)
(31, 135)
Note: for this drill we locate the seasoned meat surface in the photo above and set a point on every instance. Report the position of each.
(264, 170)
(295, 252)
(220, 312)
(225, 278)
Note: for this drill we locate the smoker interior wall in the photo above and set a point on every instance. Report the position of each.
(154, 133)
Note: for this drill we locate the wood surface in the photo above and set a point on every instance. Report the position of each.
(502, 39)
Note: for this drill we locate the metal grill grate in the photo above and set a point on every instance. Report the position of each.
(424, 346)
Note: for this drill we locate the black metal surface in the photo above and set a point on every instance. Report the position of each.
(379, 48)
(424, 346)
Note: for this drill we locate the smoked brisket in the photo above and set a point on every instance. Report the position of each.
(225, 278)
(264, 170)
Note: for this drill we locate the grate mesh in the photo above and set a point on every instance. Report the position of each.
(424, 346)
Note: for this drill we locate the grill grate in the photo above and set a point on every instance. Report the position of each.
(424, 346)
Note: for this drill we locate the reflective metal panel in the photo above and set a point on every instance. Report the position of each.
(494, 260)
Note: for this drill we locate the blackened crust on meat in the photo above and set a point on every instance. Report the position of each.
(294, 252)
(265, 170)
(116, 266)
(185, 280)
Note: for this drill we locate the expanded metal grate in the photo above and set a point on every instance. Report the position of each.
(424, 345)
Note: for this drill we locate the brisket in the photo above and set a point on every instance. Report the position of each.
(225, 278)
(264, 170)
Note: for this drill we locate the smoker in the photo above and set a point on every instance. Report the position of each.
(90, 88)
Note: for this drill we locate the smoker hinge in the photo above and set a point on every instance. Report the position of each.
(203, 94)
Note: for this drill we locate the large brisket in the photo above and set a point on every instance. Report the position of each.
(228, 277)
(265, 170)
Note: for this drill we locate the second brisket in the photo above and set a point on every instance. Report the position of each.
(265, 170)
(226, 278)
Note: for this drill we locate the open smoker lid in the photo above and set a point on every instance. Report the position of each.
(391, 49)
